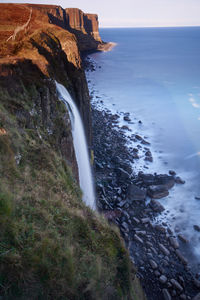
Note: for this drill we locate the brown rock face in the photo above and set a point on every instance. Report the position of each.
(86, 23)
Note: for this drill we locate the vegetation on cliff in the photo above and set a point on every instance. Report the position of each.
(51, 245)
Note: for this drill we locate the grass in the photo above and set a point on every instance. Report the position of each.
(51, 245)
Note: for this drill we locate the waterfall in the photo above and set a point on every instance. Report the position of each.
(80, 147)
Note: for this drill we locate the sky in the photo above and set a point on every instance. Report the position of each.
(135, 13)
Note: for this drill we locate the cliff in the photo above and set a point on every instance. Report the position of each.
(51, 245)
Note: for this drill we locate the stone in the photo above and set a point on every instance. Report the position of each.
(183, 297)
(157, 191)
(197, 297)
(136, 220)
(181, 257)
(179, 180)
(126, 118)
(166, 294)
(197, 283)
(171, 172)
(197, 197)
(145, 220)
(197, 227)
(153, 264)
(138, 239)
(160, 228)
(157, 273)
(134, 193)
(183, 238)
(174, 242)
(156, 206)
(163, 279)
(176, 285)
(164, 249)
(149, 158)
(166, 180)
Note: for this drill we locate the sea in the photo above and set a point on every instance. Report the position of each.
(154, 75)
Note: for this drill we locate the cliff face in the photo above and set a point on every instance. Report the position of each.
(86, 23)
(52, 245)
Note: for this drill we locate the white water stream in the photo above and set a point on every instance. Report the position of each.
(80, 147)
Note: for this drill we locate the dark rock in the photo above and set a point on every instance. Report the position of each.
(197, 228)
(164, 179)
(149, 158)
(181, 257)
(166, 294)
(164, 249)
(156, 206)
(153, 264)
(138, 239)
(134, 193)
(160, 228)
(163, 279)
(197, 297)
(171, 172)
(183, 239)
(179, 180)
(183, 297)
(174, 242)
(197, 283)
(145, 220)
(126, 118)
(176, 285)
(157, 191)
(136, 220)
(197, 197)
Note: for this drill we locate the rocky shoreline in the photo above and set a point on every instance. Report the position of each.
(122, 196)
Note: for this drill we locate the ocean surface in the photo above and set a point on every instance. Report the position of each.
(154, 74)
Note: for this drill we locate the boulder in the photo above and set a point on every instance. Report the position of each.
(163, 279)
(176, 285)
(166, 294)
(197, 297)
(174, 242)
(153, 264)
(181, 257)
(164, 179)
(183, 238)
(164, 249)
(157, 191)
(156, 206)
(134, 193)
(197, 227)
(179, 180)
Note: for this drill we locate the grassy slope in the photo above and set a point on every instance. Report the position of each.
(51, 245)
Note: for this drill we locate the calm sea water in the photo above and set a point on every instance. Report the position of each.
(154, 73)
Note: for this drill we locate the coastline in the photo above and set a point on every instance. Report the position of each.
(106, 47)
(154, 248)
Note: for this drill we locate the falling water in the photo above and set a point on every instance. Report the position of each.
(80, 146)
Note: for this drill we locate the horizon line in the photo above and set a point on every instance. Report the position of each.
(159, 26)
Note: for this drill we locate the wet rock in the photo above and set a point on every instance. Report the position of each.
(197, 297)
(136, 220)
(166, 294)
(126, 118)
(164, 249)
(181, 257)
(197, 197)
(145, 220)
(138, 239)
(156, 206)
(174, 242)
(183, 297)
(171, 172)
(157, 273)
(176, 285)
(157, 191)
(138, 137)
(160, 228)
(134, 193)
(197, 283)
(183, 238)
(153, 264)
(144, 142)
(149, 158)
(197, 228)
(163, 279)
(179, 180)
(164, 179)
